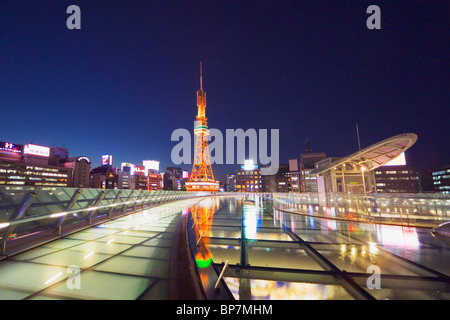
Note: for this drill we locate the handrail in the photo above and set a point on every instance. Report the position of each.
(24, 208)
(425, 210)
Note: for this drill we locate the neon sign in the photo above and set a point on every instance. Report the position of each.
(84, 158)
(107, 160)
(10, 147)
(35, 150)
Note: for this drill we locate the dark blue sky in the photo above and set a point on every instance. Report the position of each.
(312, 69)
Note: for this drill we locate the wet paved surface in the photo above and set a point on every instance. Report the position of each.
(288, 256)
(272, 255)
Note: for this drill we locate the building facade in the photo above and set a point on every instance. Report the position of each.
(81, 168)
(308, 182)
(397, 179)
(26, 174)
(441, 179)
(32, 165)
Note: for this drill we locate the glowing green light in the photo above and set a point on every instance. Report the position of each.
(204, 263)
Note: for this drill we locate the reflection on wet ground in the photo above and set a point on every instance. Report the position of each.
(278, 255)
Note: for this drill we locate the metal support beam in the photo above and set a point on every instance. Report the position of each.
(140, 196)
(18, 214)
(128, 199)
(96, 203)
(69, 207)
(116, 199)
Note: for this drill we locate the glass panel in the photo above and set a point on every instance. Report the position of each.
(405, 289)
(101, 285)
(10, 200)
(279, 290)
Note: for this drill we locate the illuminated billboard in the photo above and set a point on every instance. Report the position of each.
(151, 165)
(399, 161)
(249, 165)
(11, 147)
(107, 160)
(138, 169)
(35, 150)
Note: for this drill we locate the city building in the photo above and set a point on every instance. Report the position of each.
(441, 179)
(139, 180)
(155, 181)
(231, 183)
(397, 179)
(29, 174)
(58, 156)
(81, 168)
(279, 182)
(248, 178)
(124, 179)
(154, 177)
(173, 179)
(28, 165)
(347, 177)
(104, 176)
(294, 175)
(308, 160)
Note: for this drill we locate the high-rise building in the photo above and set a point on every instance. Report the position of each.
(139, 180)
(249, 179)
(124, 178)
(15, 173)
(308, 181)
(81, 168)
(397, 179)
(295, 175)
(155, 181)
(28, 165)
(171, 178)
(441, 179)
(279, 182)
(231, 182)
(105, 176)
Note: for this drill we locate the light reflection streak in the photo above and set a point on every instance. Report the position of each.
(53, 278)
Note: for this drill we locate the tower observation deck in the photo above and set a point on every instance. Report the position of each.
(202, 177)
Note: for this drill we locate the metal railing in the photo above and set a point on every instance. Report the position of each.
(409, 209)
(30, 215)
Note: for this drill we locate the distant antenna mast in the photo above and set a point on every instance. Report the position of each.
(357, 134)
(201, 77)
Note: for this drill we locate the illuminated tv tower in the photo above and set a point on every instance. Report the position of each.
(202, 177)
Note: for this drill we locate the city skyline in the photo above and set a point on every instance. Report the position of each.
(127, 79)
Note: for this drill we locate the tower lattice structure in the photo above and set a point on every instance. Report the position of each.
(202, 177)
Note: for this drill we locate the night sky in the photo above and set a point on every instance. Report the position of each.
(312, 69)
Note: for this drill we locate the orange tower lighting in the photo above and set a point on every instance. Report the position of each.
(202, 177)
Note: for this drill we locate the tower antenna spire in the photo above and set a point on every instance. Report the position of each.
(201, 77)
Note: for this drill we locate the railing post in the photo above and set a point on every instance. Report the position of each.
(216, 287)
